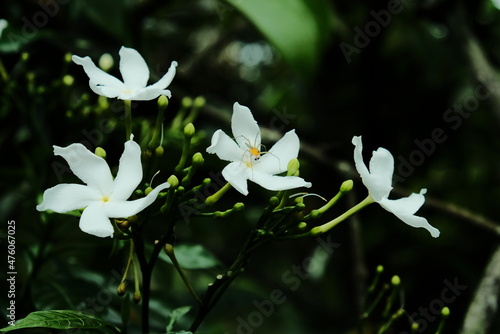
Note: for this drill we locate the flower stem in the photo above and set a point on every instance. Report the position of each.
(128, 118)
(215, 197)
(169, 250)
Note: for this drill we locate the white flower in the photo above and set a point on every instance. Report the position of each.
(135, 73)
(249, 161)
(378, 180)
(102, 197)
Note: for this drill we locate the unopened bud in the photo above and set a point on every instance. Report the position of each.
(238, 206)
(395, 280)
(25, 56)
(301, 226)
(137, 297)
(346, 186)
(67, 57)
(100, 152)
(148, 190)
(68, 80)
(173, 181)
(199, 102)
(122, 288)
(106, 62)
(162, 101)
(445, 311)
(189, 130)
(198, 159)
(187, 102)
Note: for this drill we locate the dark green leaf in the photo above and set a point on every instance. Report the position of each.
(192, 257)
(58, 319)
(176, 315)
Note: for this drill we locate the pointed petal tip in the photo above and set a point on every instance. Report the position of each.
(356, 140)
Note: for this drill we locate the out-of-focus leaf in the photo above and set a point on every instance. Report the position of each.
(298, 28)
(176, 315)
(192, 257)
(58, 319)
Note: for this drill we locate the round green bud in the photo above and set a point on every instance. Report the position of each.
(300, 206)
(380, 269)
(189, 130)
(301, 226)
(67, 57)
(122, 288)
(100, 152)
(274, 201)
(173, 181)
(238, 206)
(68, 80)
(414, 326)
(346, 186)
(159, 151)
(162, 101)
(187, 102)
(293, 167)
(445, 311)
(395, 280)
(106, 62)
(25, 56)
(199, 102)
(30, 76)
(148, 190)
(198, 159)
(137, 297)
(103, 102)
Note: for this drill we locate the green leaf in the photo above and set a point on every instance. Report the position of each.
(300, 29)
(176, 315)
(58, 319)
(192, 257)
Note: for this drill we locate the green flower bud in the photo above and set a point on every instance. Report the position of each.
(198, 159)
(148, 190)
(274, 201)
(199, 102)
(137, 297)
(300, 206)
(162, 101)
(189, 130)
(346, 186)
(395, 280)
(301, 226)
(68, 80)
(100, 152)
(67, 57)
(445, 311)
(238, 206)
(103, 102)
(25, 56)
(187, 102)
(380, 269)
(122, 288)
(173, 181)
(106, 62)
(159, 151)
(293, 167)
(414, 326)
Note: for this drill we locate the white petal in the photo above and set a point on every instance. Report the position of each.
(108, 91)
(148, 93)
(87, 166)
(276, 160)
(405, 208)
(165, 81)
(378, 181)
(276, 183)
(95, 74)
(237, 174)
(133, 67)
(225, 147)
(94, 221)
(66, 197)
(129, 172)
(123, 209)
(244, 127)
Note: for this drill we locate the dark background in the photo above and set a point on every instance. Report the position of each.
(334, 71)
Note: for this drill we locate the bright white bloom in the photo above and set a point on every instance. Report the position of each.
(102, 197)
(135, 73)
(248, 161)
(378, 180)
(3, 25)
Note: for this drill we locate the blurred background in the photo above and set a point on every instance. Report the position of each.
(419, 78)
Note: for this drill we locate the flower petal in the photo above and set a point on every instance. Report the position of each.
(108, 91)
(148, 93)
(225, 147)
(94, 221)
(405, 208)
(378, 181)
(66, 197)
(87, 166)
(129, 172)
(236, 173)
(165, 81)
(276, 183)
(245, 129)
(276, 160)
(133, 67)
(123, 209)
(95, 74)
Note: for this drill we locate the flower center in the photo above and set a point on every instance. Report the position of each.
(105, 199)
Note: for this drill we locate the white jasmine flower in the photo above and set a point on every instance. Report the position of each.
(102, 197)
(3, 25)
(135, 73)
(249, 161)
(378, 180)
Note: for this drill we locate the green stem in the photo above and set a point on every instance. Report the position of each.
(210, 200)
(128, 118)
(169, 249)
